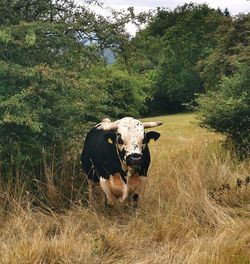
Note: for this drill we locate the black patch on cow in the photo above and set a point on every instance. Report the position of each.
(119, 139)
(109, 135)
(100, 159)
(122, 153)
(151, 135)
(145, 161)
(135, 146)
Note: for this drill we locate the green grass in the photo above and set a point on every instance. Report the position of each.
(182, 128)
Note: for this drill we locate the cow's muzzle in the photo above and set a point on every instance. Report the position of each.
(134, 160)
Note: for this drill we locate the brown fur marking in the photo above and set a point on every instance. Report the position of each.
(117, 185)
(135, 183)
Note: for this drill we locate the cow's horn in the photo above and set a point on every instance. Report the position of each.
(106, 126)
(151, 124)
(106, 120)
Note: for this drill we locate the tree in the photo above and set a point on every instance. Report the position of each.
(232, 48)
(226, 105)
(12, 12)
(171, 46)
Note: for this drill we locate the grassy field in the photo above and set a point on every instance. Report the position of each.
(192, 212)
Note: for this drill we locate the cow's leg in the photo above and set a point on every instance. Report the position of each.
(118, 187)
(136, 186)
(105, 186)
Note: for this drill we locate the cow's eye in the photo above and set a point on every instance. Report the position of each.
(119, 140)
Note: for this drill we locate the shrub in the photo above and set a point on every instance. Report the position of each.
(227, 110)
(42, 107)
(126, 94)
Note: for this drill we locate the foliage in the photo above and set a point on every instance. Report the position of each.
(47, 108)
(172, 44)
(194, 50)
(51, 89)
(15, 11)
(226, 105)
(126, 93)
(227, 110)
(232, 49)
(55, 81)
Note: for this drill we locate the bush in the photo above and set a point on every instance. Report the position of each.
(228, 109)
(42, 107)
(48, 109)
(126, 94)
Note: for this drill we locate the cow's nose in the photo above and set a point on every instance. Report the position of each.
(134, 159)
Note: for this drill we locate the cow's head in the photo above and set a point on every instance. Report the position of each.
(130, 139)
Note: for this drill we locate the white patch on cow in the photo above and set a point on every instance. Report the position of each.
(105, 186)
(132, 134)
(125, 193)
(114, 188)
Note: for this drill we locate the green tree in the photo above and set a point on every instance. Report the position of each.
(232, 48)
(226, 105)
(171, 47)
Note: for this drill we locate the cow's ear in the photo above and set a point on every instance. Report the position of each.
(151, 136)
(110, 137)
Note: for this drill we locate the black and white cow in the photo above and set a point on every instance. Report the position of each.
(116, 156)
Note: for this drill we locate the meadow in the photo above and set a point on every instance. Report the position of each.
(196, 209)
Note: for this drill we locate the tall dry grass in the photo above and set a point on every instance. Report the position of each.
(185, 215)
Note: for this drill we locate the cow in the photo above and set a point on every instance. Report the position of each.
(116, 157)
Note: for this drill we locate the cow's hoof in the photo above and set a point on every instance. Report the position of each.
(108, 210)
(135, 197)
(133, 201)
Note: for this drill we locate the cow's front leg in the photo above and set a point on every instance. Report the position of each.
(114, 188)
(136, 186)
(118, 187)
(106, 187)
